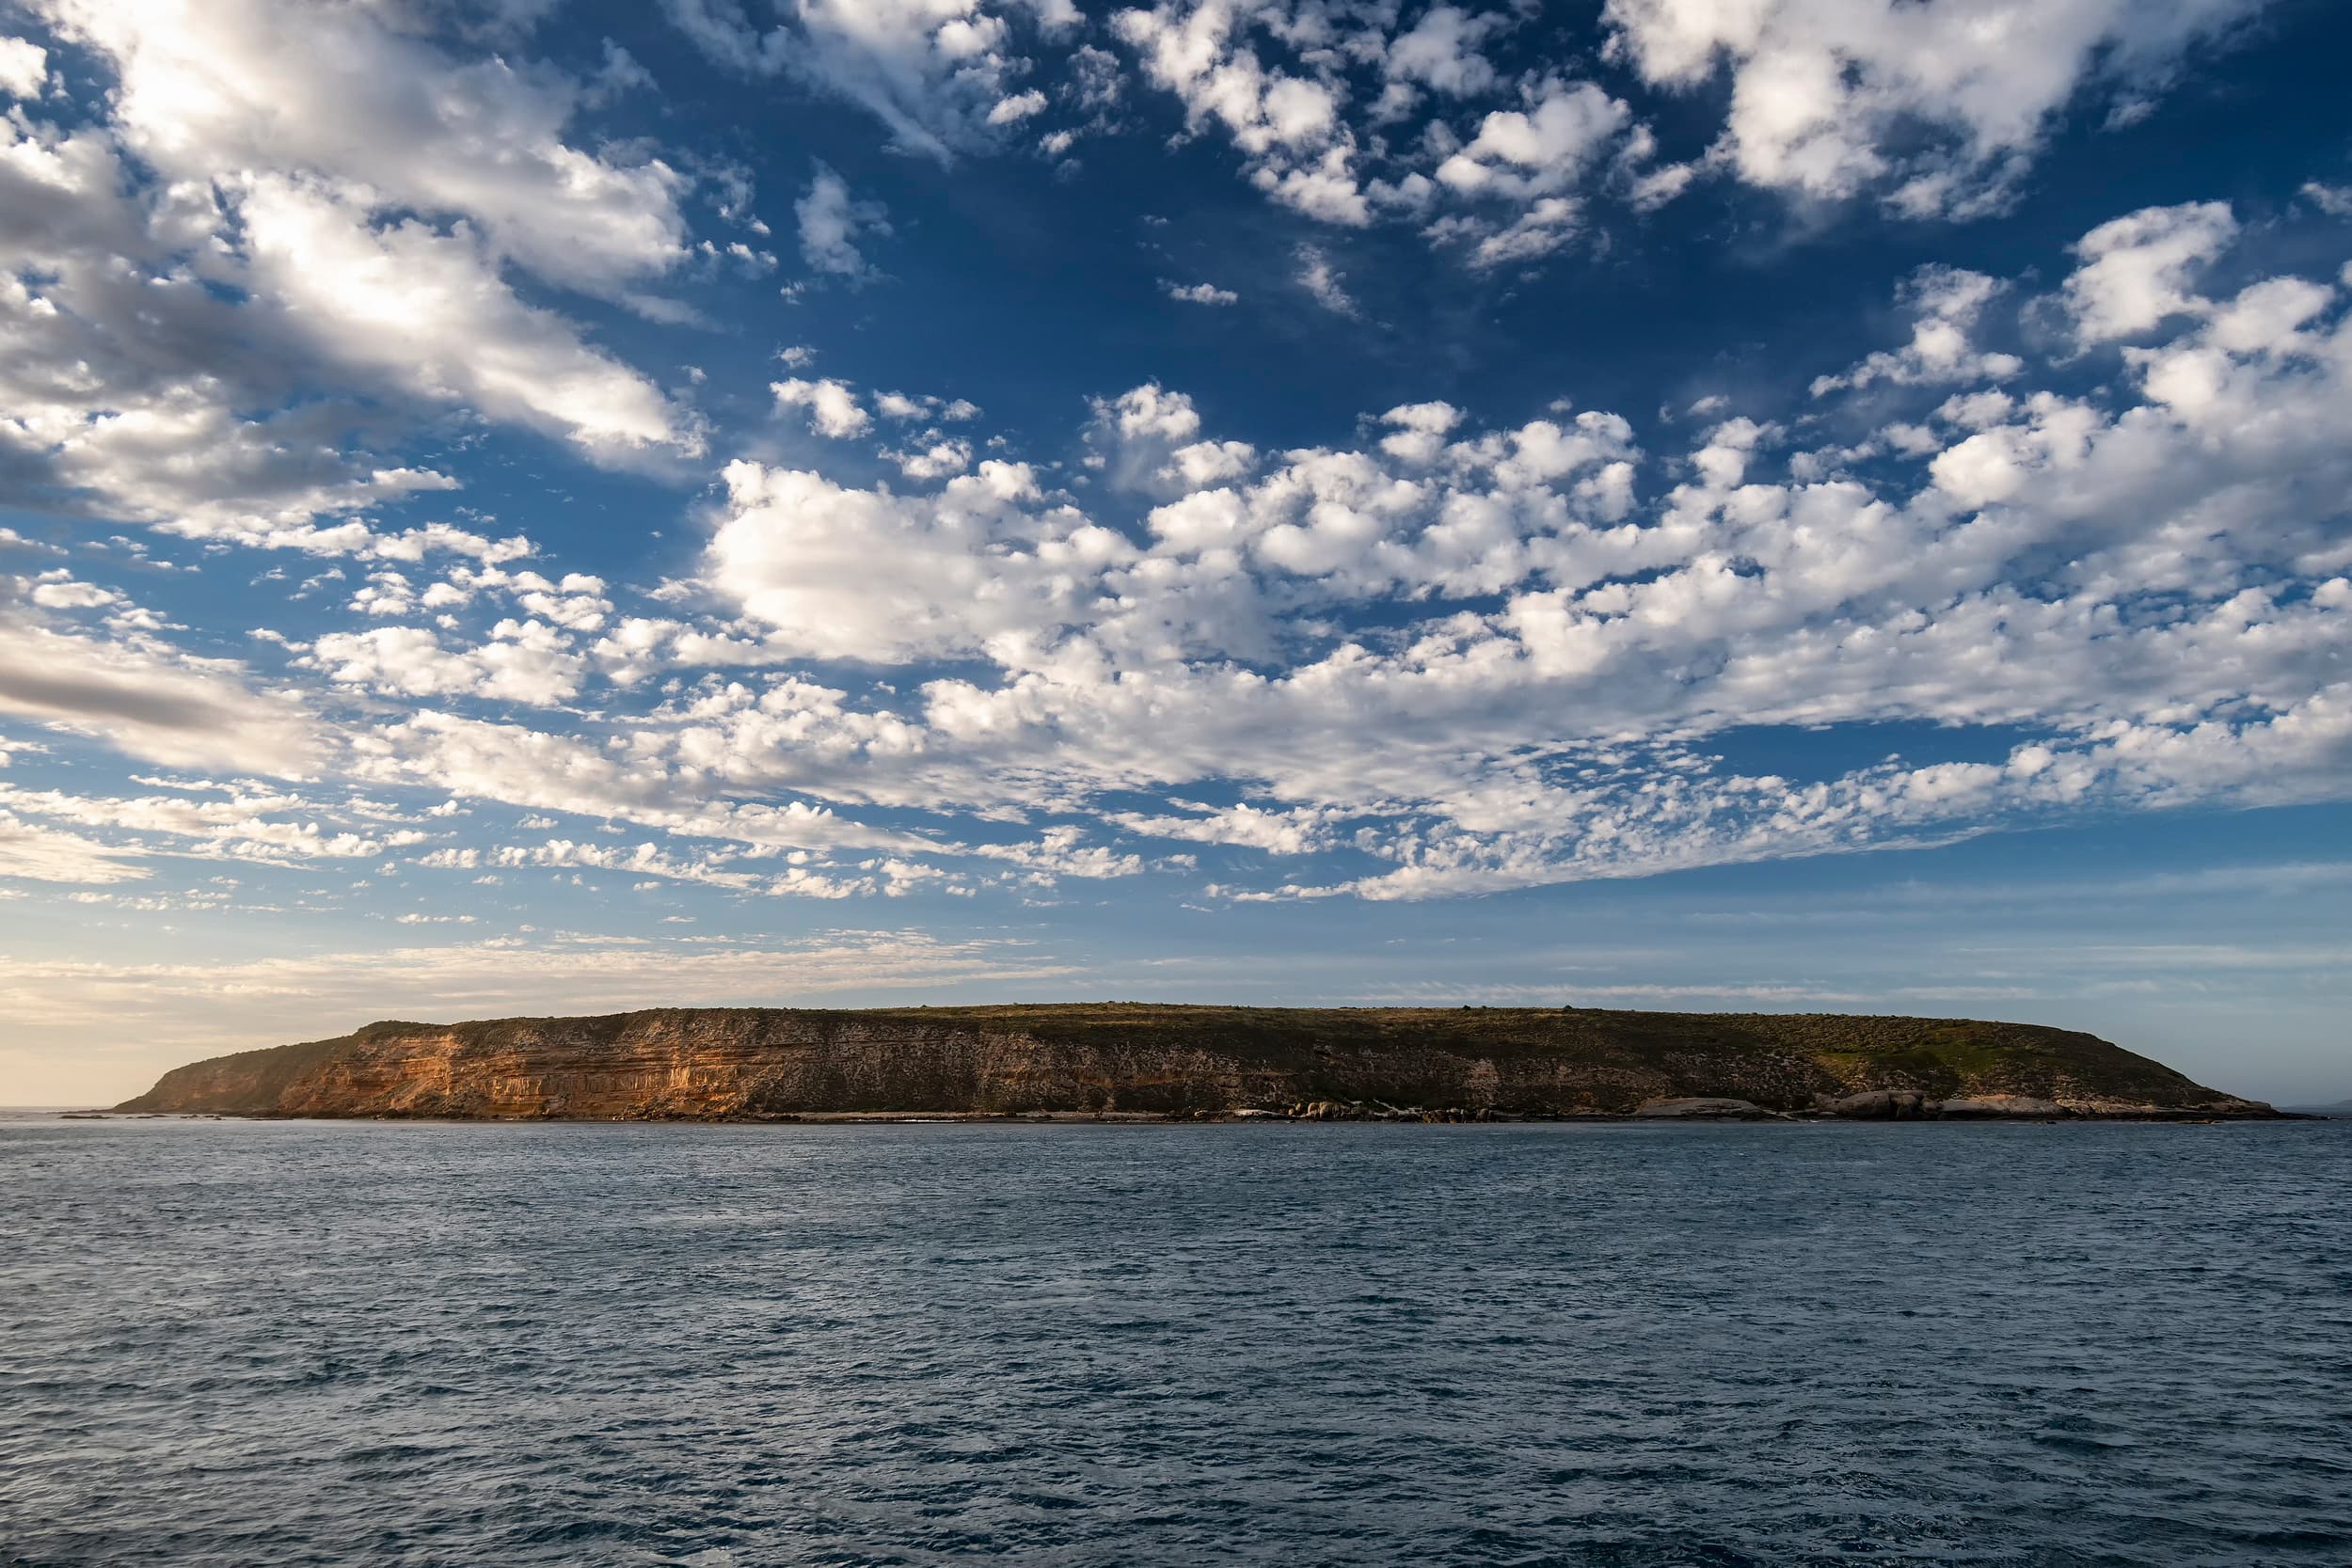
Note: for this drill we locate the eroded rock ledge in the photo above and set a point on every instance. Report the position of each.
(1128, 1060)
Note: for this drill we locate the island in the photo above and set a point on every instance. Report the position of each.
(1151, 1062)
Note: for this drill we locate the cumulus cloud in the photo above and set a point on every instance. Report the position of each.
(524, 661)
(1548, 650)
(672, 783)
(834, 409)
(649, 860)
(1287, 124)
(1442, 51)
(1509, 158)
(1198, 294)
(1543, 714)
(1299, 831)
(1541, 149)
(24, 67)
(935, 73)
(1946, 303)
(1459, 648)
(2136, 270)
(1938, 106)
(1020, 106)
(836, 573)
(241, 823)
(832, 222)
(280, 221)
(1937, 109)
(1453, 657)
(257, 85)
(423, 310)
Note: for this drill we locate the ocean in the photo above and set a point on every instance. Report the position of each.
(258, 1343)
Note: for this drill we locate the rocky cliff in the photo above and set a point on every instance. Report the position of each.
(750, 1063)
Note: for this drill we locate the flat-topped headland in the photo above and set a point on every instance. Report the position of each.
(1131, 1060)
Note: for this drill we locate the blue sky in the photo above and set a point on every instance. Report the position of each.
(1794, 504)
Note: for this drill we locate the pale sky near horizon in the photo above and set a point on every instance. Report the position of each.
(530, 506)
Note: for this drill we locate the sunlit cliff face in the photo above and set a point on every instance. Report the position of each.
(1127, 1060)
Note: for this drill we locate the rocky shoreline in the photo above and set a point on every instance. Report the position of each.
(1870, 1106)
(1704, 1112)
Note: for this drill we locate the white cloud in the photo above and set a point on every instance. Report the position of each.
(1148, 438)
(834, 409)
(31, 852)
(1324, 282)
(1462, 649)
(1944, 303)
(424, 310)
(667, 777)
(1020, 106)
(936, 461)
(1421, 431)
(1543, 714)
(1539, 151)
(524, 661)
(276, 210)
(857, 575)
(831, 224)
(935, 73)
(1063, 852)
(2134, 270)
(1440, 52)
(23, 67)
(1936, 105)
(1198, 294)
(60, 589)
(1288, 126)
(144, 696)
(903, 407)
(213, 90)
(639, 860)
(243, 823)
(1298, 832)
(1279, 86)
(1546, 226)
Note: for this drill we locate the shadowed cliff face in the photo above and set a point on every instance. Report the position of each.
(704, 1062)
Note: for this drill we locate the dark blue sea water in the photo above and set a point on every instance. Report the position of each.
(242, 1344)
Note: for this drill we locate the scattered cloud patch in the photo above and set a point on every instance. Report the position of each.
(832, 224)
(1199, 294)
(834, 409)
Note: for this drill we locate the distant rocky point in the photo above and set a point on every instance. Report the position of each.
(1127, 1060)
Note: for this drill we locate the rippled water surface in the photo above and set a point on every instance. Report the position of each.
(229, 1343)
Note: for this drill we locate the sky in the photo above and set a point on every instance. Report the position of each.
(540, 506)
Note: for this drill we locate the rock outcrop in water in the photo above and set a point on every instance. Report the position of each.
(1390, 1063)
